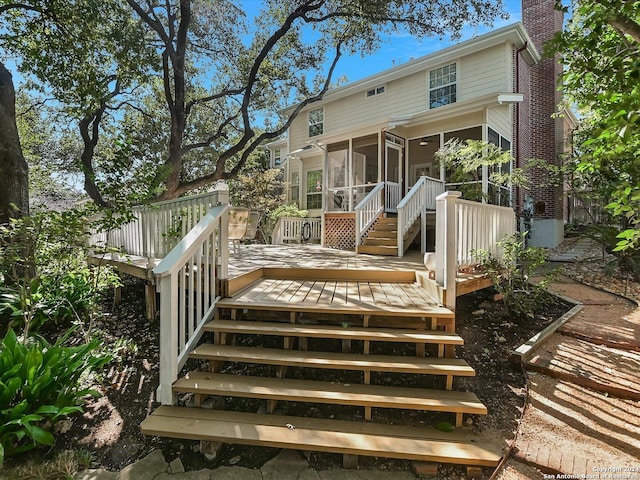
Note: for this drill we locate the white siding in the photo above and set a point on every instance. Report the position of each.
(483, 73)
(299, 131)
(403, 96)
(499, 118)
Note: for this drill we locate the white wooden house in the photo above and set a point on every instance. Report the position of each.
(380, 134)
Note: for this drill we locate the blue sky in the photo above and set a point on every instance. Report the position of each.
(402, 48)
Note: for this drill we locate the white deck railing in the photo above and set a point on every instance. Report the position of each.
(463, 226)
(393, 193)
(367, 211)
(421, 197)
(296, 229)
(187, 280)
(158, 227)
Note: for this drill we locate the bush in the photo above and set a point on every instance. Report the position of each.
(512, 273)
(61, 297)
(626, 260)
(283, 211)
(40, 384)
(44, 272)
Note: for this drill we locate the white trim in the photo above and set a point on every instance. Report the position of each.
(510, 98)
(309, 124)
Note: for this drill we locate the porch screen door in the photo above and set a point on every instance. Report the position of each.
(393, 176)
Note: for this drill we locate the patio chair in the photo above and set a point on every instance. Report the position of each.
(238, 222)
(252, 225)
(341, 200)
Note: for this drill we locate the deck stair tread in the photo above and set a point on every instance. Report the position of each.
(334, 331)
(335, 436)
(383, 234)
(334, 393)
(378, 249)
(382, 242)
(332, 360)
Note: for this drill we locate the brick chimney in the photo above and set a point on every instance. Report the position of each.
(541, 135)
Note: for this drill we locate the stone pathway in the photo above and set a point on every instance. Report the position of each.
(575, 251)
(288, 465)
(583, 413)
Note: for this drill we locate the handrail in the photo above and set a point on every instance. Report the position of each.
(156, 228)
(293, 229)
(367, 211)
(480, 227)
(463, 226)
(187, 280)
(421, 197)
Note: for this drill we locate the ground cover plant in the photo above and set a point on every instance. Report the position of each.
(512, 274)
(49, 300)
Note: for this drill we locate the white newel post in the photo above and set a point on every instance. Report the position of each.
(423, 231)
(400, 232)
(168, 288)
(446, 244)
(223, 247)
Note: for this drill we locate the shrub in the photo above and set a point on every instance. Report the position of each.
(283, 211)
(626, 260)
(511, 274)
(44, 273)
(40, 383)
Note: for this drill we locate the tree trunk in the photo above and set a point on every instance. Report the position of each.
(14, 173)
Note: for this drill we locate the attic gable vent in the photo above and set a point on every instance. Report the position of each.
(372, 92)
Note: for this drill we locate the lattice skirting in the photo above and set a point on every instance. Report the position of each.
(340, 232)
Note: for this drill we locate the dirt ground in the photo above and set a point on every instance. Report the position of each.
(109, 428)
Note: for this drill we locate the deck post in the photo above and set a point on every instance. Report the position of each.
(423, 231)
(168, 286)
(446, 244)
(223, 268)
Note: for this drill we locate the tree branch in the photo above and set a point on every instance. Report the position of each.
(90, 132)
(220, 174)
(21, 6)
(625, 26)
(224, 93)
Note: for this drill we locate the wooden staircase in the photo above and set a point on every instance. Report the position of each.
(313, 353)
(382, 239)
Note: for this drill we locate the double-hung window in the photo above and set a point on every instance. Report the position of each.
(442, 86)
(316, 122)
(314, 189)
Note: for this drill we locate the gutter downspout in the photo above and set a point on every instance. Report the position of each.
(517, 119)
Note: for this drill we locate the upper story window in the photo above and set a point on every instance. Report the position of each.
(376, 91)
(316, 122)
(277, 157)
(442, 86)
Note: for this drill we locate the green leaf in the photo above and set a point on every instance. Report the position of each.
(47, 410)
(41, 436)
(445, 427)
(11, 372)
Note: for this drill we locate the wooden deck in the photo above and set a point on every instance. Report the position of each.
(374, 292)
(253, 257)
(292, 294)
